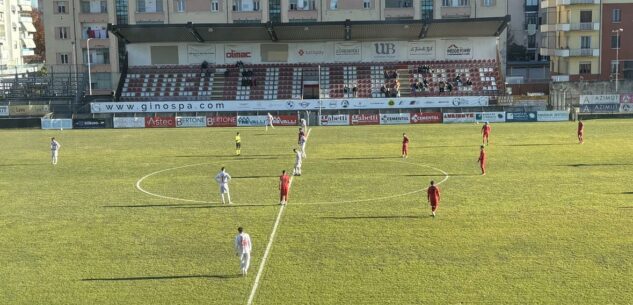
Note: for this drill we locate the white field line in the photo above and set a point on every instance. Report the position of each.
(251, 297)
(140, 188)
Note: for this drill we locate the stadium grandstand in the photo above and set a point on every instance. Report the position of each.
(313, 60)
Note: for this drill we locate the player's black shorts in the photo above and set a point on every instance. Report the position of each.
(238, 145)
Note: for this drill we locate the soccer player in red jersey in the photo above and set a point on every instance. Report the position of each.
(482, 160)
(581, 132)
(284, 187)
(405, 146)
(433, 196)
(486, 132)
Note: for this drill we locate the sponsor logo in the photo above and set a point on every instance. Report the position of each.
(4, 110)
(236, 54)
(303, 52)
(385, 48)
(600, 108)
(191, 121)
(420, 50)
(455, 50)
(426, 117)
(626, 107)
(342, 50)
(345, 103)
(221, 121)
(365, 119)
(285, 120)
(336, 119)
(304, 104)
(600, 99)
(159, 122)
(290, 104)
(89, 123)
(391, 103)
(394, 118)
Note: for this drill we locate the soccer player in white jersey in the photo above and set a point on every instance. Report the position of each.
(269, 121)
(54, 150)
(304, 125)
(223, 179)
(298, 157)
(302, 141)
(243, 248)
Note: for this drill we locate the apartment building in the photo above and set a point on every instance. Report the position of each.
(16, 32)
(74, 26)
(617, 31)
(524, 27)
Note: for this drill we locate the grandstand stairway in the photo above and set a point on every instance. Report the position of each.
(217, 92)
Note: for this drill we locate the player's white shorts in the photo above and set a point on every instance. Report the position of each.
(54, 153)
(224, 188)
(297, 164)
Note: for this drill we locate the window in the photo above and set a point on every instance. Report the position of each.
(615, 41)
(455, 3)
(584, 67)
(531, 42)
(63, 58)
(585, 16)
(614, 67)
(530, 18)
(615, 15)
(60, 7)
(427, 9)
(333, 4)
(487, 2)
(246, 6)
(94, 6)
(149, 6)
(585, 42)
(366, 3)
(398, 3)
(215, 6)
(531, 2)
(302, 5)
(180, 6)
(97, 56)
(62, 32)
(122, 13)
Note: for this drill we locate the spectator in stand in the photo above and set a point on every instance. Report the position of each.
(458, 79)
(449, 87)
(345, 89)
(468, 82)
(425, 83)
(203, 66)
(397, 88)
(386, 74)
(383, 90)
(442, 86)
(354, 90)
(414, 87)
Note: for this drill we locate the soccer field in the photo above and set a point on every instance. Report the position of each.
(550, 223)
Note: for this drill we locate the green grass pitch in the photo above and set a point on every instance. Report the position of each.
(550, 223)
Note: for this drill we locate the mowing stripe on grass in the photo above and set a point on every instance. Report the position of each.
(251, 297)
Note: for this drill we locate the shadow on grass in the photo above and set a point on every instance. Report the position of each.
(12, 165)
(153, 205)
(364, 158)
(230, 156)
(627, 193)
(228, 206)
(539, 144)
(253, 177)
(445, 146)
(372, 217)
(167, 277)
(438, 175)
(596, 164)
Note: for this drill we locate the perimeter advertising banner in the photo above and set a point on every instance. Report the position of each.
(136, 122)
(191, 121)
(251, 120)
(426, 117)
(521, 116)
(334, 120)
(222, 121)
(626, 107)
(4, 110)
(626, 98)
(28, 110)
(467, 117)
(600, 99)
(365, 119)
(285, 120)
(160, 122)
(394, 118)
(284, 105)
(89, 123)
(591, 108)
(492, 117)
(57, 124)
(552, 116)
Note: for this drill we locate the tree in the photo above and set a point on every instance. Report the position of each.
(38, 37)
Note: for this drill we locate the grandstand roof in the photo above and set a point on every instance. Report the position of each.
(306, 31)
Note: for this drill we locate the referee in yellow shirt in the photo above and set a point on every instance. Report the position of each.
(238, 144)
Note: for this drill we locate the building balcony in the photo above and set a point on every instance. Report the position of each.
(149, 17)
(574, 2)
(28, 52)
(455, 12)
(560, 78)
(100, 68)
(303, 15)
(95, 43)
(247, 16)
(566, 27)
(399, 13)
(93, 17)
(570, 52)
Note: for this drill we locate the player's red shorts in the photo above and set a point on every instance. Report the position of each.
(405, 148)
(486, 134)
(434, 205)
(284, 191)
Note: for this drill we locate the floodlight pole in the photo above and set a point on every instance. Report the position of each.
(617, 57)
